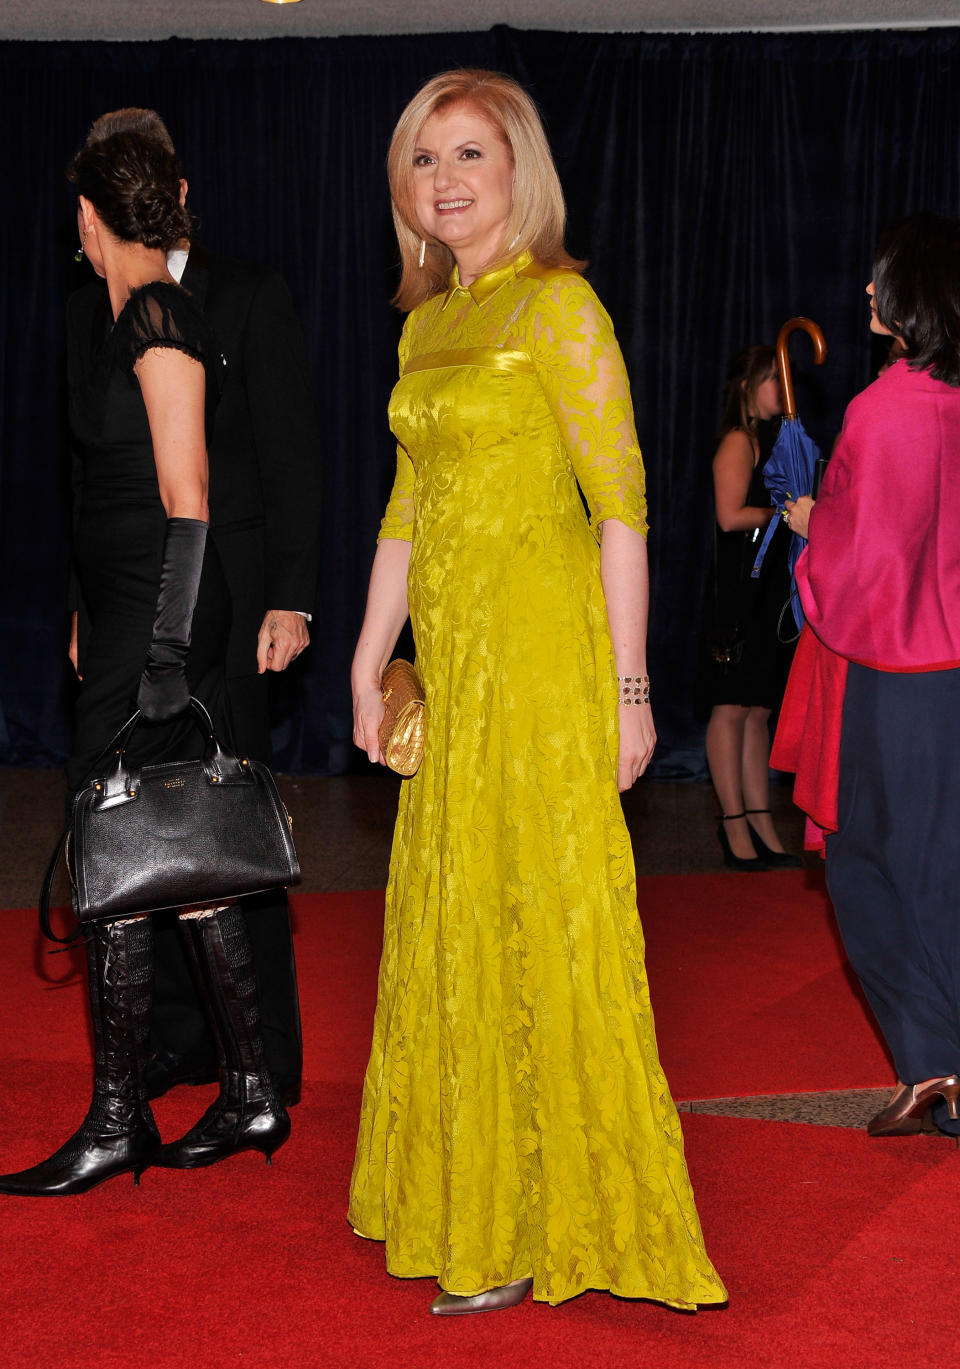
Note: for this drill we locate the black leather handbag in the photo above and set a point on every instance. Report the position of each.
(187, 833)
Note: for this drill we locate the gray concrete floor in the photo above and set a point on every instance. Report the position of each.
(343, 828)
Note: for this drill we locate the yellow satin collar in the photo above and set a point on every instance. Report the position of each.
(490, 282)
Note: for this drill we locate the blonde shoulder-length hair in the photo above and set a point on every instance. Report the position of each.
(537, 214)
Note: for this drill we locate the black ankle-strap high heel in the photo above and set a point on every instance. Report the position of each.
(777, 860)
(732, 862)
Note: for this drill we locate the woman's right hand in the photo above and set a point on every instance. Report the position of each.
(798, 514)
(368, 710)
(385, 616)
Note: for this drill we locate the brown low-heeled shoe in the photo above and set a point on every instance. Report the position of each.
(454, 1305)
(904, 1114)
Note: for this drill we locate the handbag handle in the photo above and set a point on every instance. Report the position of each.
(121, 783)
(44, 905)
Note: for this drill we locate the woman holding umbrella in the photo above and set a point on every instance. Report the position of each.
(744, 664)
(871, 720)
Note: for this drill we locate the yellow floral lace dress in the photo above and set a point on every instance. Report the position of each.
(515, 1118)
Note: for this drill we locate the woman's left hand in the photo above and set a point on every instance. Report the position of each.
(638, 737)
(798, 514)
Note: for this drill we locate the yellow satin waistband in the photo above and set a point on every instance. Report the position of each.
(492, 358)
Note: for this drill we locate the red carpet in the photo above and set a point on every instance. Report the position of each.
(830, 1243)
(749, 987)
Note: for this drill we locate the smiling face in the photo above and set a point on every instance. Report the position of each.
(463, 186)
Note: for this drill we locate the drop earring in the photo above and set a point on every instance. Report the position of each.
(423, 252)
(78, 255)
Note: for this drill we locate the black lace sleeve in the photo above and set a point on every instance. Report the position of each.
(162, 315)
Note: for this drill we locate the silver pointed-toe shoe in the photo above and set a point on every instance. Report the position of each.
(454, 1305)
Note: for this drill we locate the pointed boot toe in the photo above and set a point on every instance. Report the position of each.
(118, 1134)
(249, 1113)
(242, 1118)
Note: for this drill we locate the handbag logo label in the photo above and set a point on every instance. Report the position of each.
(174, 784)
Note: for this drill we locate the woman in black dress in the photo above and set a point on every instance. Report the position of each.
(158, 612)
(745, 664)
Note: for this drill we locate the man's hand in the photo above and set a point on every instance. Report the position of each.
(72, 646)
(282, 637)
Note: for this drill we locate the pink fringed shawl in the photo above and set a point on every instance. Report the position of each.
(880, 577)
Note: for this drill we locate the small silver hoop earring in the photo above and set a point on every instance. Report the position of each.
(423, 252)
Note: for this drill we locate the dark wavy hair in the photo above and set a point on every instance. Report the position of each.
(916, 277)
(133, 181)
(746, 372)
(130, 119)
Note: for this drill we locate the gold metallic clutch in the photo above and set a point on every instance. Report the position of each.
(401, 732)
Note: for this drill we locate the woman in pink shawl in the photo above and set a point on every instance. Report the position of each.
(871, 719)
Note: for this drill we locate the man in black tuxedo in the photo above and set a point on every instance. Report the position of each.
(264, 518)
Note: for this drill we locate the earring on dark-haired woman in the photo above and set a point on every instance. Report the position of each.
(78, 255)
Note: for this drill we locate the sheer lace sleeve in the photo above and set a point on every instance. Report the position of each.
(398, 520)
(581, 369)
(161, 315)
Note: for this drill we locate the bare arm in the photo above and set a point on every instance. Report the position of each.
(732, 471)
(173, 387)
(626, 588)
(382, 623)
(581, 369)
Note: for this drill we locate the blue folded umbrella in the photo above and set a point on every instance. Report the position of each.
(791, 466)
(789, 473)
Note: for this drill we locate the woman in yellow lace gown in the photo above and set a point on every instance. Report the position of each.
(516, 1126)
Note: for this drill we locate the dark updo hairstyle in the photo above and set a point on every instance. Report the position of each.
(746, 372)
(133, 182)
(916, 277)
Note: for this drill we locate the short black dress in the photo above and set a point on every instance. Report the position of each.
(119, 529)
(744, 659)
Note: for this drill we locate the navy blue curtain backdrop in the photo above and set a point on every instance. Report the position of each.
(717, 184)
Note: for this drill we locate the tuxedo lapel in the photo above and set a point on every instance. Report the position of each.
(101, 319)
(196, 274)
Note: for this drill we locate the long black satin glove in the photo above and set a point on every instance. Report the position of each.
(163, 691)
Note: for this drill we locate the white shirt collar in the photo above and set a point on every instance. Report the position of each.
(177, 263)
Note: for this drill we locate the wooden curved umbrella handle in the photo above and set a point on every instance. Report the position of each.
(794, 325)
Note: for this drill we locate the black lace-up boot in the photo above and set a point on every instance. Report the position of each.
(248, 1114)
(118, 1134)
